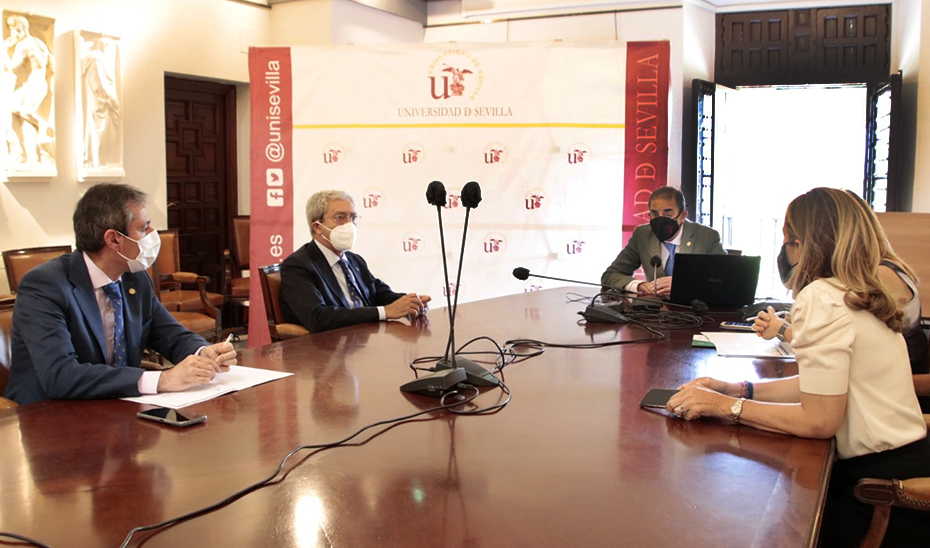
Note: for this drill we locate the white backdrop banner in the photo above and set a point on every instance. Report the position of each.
(539, 126)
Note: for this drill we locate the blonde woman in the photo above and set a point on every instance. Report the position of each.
(854, 381)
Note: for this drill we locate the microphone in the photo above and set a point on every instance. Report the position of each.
(656, 262)
(436, 194)
(521, 273)
(471, 195)
(474, 373)
(438, 382)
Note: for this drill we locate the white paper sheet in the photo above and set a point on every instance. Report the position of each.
(748, 345)
(237, 378)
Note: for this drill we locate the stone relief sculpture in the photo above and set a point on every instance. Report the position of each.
(97, 93)
(28, 68)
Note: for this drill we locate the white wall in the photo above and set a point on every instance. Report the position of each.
(661, 24)
(203, 38)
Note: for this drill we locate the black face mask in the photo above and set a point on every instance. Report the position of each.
(664, 228)
(784, 267)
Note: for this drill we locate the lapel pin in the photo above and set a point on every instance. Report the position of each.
(688, 245)
(132, 290)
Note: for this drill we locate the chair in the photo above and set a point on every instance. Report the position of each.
(19, 261)
(6, 338)
(271, 289)
(208, 325)
(236, 288)
(171, 279)
(885, 494)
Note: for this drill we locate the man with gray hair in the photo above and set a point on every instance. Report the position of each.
(82, 320)
(325, 286)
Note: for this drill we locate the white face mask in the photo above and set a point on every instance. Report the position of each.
(342, 237)
(148, 251)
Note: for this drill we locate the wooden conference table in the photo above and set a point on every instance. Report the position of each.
(572, 461)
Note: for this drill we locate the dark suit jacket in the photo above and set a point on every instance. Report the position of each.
(644, 245)
(59, 347)
(311, 296)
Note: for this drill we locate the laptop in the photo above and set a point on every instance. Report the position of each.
(721, 281)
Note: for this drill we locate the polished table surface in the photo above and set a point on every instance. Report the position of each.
(571, 461)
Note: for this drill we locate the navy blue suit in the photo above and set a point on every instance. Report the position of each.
(59, 348)
(311, 296)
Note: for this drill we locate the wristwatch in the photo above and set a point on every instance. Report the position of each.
(737, 410)
(781, 331)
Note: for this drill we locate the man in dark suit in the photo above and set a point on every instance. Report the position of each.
(668, 232)
(82, 320)
(325, 286)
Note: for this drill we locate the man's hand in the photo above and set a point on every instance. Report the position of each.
(222, 353)
(410, 305)
(661, 286)
(193, 370)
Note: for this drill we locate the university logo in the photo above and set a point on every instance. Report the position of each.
(333, 153)
(532, 287)
(412, 242)
(495, 153)
(494, 243)
(413, 153)
(574, 247)
(535, 199)
(451, 290)
(373, 198)
(577, 153)
(455, 73)
(453, 198)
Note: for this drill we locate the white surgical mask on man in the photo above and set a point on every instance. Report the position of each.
(148, 251)
(342, 237)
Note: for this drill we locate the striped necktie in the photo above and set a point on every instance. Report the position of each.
(119, 337)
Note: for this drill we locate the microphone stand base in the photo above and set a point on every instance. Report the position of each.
(435, 384)
(475, 375)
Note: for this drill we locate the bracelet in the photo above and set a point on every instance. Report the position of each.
(746, 390)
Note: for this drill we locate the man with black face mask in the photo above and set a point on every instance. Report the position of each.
(669, 232)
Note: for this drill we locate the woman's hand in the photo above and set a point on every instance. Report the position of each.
(767, 324)
(713, 384)
(695, 400)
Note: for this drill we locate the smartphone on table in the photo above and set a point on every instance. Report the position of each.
(736, 326)
(171, 416)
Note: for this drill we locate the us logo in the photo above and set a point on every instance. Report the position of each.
(333, 153)
(373, 198)
(574, 247)
(577, 153)
(413, 153)
(455, 73)
(453, 198)
(495, 153)
(412, 242)
(535, 199)
(494, 243)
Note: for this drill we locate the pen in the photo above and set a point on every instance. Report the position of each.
(229, 339)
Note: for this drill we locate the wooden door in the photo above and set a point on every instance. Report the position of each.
(200, 150)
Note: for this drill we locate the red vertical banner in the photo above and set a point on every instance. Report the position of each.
(646, 128)
(272, 177)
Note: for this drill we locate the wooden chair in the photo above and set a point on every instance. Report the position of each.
(271, 291)
(236, 288)
(209, 322)
(6, 338)
(886, 494)
(171, 280)
(19, 261)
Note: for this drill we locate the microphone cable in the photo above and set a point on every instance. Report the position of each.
(448, 407)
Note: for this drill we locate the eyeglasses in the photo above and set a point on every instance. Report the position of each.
(669, 215)
(342, 218)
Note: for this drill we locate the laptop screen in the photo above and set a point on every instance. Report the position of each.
(725, 281)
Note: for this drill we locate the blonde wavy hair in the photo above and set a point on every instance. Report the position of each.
(840, 238)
